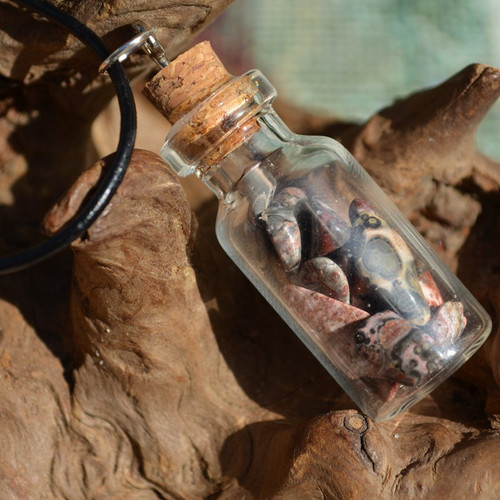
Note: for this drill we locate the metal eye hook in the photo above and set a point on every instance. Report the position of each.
(152, 47)
(146, 40)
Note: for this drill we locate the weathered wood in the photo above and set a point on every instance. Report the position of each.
(427, 140)
(50, 93)
(35, 48)
(206, 375)
(168, 375)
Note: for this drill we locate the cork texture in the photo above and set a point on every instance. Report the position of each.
(186, 81)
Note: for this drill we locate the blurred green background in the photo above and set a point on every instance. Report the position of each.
(350, 58)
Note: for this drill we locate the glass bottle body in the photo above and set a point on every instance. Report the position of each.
(342, 266)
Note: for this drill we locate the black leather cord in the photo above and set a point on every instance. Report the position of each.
(112, 178)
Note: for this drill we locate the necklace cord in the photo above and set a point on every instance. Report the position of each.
(113, 176)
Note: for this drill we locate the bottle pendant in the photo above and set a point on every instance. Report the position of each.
(318, 238)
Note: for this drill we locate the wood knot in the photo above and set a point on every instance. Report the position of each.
(356, 423)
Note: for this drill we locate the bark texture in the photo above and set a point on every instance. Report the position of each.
(50, 94)
(144, 365)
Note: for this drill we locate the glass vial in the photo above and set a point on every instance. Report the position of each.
(319, 239)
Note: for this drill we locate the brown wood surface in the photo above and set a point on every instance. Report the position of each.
(143, 364)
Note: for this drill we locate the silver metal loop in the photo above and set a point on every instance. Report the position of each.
(152, 46)
(145, 40)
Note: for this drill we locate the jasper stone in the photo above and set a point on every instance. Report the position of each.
(448, 322)
(327, 276)
(323, 315)
(396, 349)
(430, 290)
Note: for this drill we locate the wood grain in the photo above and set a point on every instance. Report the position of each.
(142, 364)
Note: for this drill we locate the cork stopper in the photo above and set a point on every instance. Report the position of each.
(186, 81)
(222, 110)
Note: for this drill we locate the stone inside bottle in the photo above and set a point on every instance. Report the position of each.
(318, 238)
(355, 279)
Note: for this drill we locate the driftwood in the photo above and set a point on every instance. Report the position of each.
(49, 86)
(144, 365)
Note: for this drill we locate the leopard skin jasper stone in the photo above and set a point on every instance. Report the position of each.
(396, 349)
(323, 315)
(448, 323)
(382, 258)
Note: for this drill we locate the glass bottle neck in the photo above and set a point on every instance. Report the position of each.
(239, 169)
(224, 136)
